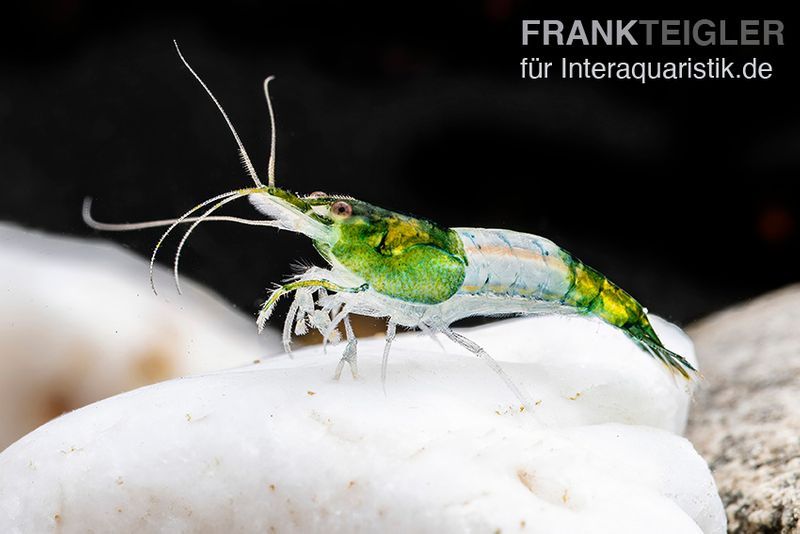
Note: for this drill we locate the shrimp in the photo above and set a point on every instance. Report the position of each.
(411, 271)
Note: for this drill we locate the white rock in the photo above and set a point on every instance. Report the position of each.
(280, 446)
(78, 322)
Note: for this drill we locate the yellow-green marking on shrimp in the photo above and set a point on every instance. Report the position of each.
(417, 273)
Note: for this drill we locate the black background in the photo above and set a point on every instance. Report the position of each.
(683, 192)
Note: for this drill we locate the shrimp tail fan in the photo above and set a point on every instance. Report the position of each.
(650, 343)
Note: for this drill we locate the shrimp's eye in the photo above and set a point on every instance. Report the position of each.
(341, 209)
(317, 194)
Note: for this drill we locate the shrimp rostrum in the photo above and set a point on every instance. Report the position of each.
(416, 273)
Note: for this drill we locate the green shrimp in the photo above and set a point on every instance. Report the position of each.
(413, 271)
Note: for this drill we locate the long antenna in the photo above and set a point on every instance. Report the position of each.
(236, 193)
(248, 165)
(91, 222)
(271, 164)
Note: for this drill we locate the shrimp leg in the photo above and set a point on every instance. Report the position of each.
(476, 349)
(269, 305)
(287, 325)
(391, 331)
(350, 351)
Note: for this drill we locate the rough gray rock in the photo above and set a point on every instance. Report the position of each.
(746, 421)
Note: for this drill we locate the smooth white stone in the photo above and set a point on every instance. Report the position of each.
(280, 446)
(79, 322)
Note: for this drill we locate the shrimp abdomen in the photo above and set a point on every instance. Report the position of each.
(513, 264)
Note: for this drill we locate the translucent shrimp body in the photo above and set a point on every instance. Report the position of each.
(513, 264)
(517, 266)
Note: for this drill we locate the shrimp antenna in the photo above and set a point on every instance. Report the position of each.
(91, 222)
(248, 165)
(271, 164)
(232, 194)
(204, 217)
